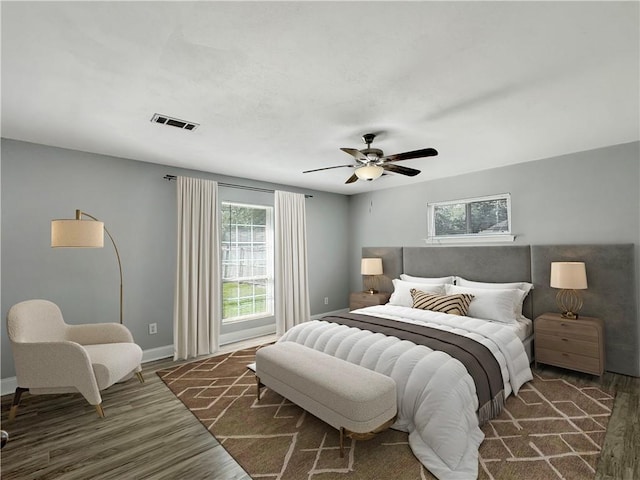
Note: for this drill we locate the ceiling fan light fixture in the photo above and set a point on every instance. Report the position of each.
(369, 172)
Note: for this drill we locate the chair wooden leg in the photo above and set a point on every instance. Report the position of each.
(16, 402)
(341, 442)
(100, 410)
(140, 377)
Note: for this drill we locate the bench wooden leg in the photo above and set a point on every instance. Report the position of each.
(258, 387)
(363, 436)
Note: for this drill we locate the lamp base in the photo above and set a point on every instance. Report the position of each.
(569, 303)
(370, 284)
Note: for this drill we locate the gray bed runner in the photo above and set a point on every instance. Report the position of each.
(477, 359)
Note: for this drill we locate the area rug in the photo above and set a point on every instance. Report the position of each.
(553, 429)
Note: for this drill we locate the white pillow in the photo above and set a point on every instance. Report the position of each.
(526, 287)
(428, 280)
(498, 305)
(401, 295)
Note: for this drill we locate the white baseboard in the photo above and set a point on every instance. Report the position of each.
(157, 353)
(8, 385)
(247, 334)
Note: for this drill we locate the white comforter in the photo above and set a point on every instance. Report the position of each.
(436, 396)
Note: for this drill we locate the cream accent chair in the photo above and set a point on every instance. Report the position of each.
(54, 357)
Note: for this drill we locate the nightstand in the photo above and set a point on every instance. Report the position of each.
(575, 344)
(366, 299)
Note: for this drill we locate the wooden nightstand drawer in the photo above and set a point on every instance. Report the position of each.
(573, 361)
(366, 299)
(568, 344)
(568, 328)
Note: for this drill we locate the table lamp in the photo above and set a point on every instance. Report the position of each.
(370, 267)
(568, 277)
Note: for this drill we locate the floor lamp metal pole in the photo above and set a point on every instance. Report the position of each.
(79, 214)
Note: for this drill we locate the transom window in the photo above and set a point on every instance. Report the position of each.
(247, 261)
(480, 219)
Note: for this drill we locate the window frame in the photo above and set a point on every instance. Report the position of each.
(269, 264)
(432, 238)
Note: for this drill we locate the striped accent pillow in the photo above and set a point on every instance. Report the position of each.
(457, 304)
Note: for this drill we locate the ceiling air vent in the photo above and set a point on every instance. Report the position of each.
(173, 122)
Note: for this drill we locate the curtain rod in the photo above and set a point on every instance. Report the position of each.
(233, 185)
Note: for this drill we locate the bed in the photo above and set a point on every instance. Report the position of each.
(438, 400)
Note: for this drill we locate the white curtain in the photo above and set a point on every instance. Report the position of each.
(197, 292)
(291, 279)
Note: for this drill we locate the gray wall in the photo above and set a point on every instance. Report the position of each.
(40, 183)
(585, 197)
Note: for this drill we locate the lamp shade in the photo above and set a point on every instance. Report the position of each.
(371, 266)
(77, 233)
(568, 275)
(369, 172)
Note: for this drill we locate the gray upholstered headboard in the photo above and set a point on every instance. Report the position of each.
(610, 274)
(486, 264)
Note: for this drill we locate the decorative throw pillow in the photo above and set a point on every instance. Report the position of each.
(401, 295)
(452, 304)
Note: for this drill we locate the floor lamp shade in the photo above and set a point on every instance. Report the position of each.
(77, 234)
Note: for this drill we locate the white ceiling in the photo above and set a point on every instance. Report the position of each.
(278, 87)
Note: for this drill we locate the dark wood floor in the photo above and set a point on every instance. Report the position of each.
(149, 434)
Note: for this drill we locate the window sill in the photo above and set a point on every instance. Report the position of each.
(246, 318)
(502, 238)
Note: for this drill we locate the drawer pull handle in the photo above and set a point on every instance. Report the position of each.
(565, 354)
(565, 339)
(563, 324)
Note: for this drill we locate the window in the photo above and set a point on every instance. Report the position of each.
(247, 262)
(481, 219)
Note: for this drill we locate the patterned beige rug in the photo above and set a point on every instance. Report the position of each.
(552, 430)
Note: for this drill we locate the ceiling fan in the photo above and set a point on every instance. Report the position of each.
(371, 163)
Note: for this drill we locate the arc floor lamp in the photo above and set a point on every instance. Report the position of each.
(79, 233)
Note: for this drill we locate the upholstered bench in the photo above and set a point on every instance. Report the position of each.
(357, 401)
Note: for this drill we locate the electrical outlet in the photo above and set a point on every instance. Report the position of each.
(153, 328)
(326, 300)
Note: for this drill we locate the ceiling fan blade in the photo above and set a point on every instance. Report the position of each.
(327, 168)
(425, 152)
(355, 153)
(352, 178)
(410, 172)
